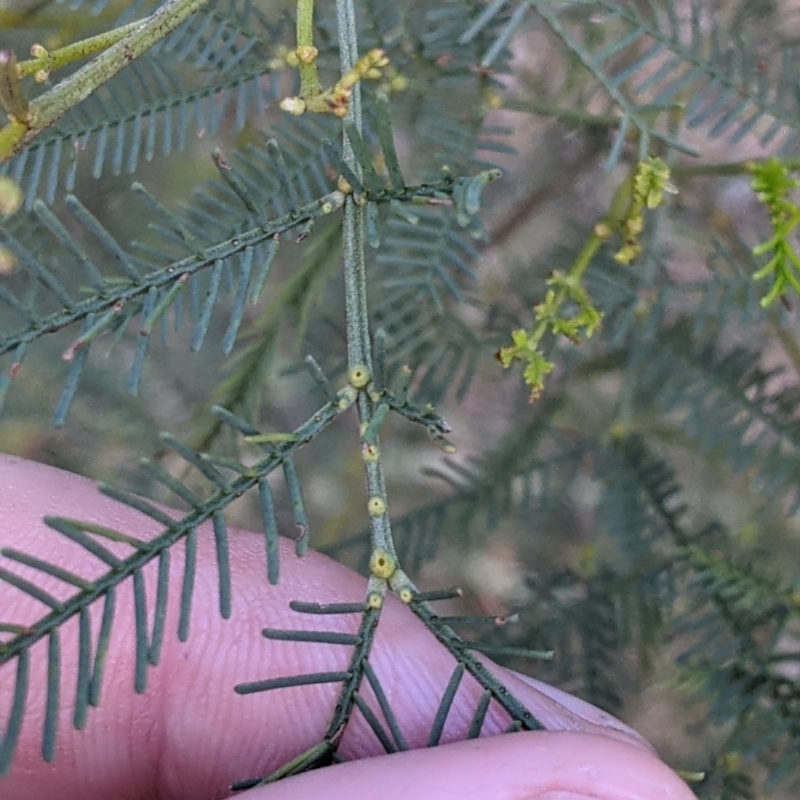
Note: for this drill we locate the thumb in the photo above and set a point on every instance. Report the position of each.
(190, 735)
(522, 766)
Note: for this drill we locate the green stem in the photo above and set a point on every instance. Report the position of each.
(51, 61)
(309, 79)
(52, 105)
(612, 220)
(620, 204)
(305, 23)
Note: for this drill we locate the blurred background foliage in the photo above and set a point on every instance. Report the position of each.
(640, 517)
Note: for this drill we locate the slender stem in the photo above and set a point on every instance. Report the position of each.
(50, 61)
(161, 279)
(348, 55)
(354, 260)
(360, 655)
(355, 283)
(52, 105)
(306, 52)
(305, 23)
(611, 221)
(482, 674)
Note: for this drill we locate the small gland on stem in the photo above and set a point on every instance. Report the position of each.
(382, 564)
(405, 595)
(374, 600)
(602, 230)
(40, 53)
(306, 54)
(369, 453)
(376, 506)
(358, 377)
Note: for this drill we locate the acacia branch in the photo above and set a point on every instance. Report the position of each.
(52, 105)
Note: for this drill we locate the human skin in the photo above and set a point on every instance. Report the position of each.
(190, 736)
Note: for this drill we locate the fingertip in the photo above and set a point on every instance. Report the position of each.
(522, 766)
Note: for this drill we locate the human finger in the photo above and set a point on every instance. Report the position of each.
(543, 765)
(190, 735)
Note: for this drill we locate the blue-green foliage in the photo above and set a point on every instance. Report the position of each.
(626, 561)
(214, 66)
